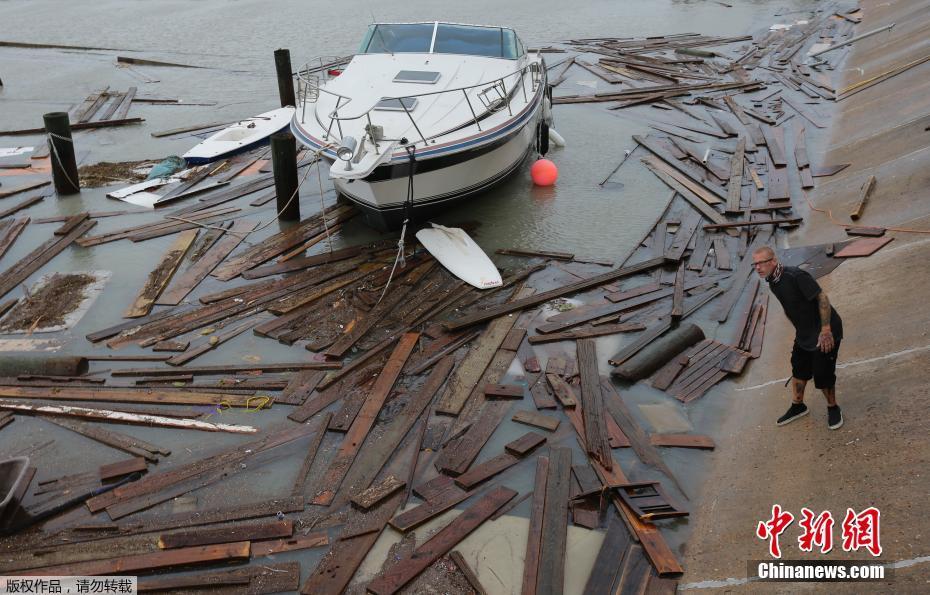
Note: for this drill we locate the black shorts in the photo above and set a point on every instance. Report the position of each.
(815, 364)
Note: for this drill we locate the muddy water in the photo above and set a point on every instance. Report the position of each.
(233, 42)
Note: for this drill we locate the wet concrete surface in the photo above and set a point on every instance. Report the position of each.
(880, 456)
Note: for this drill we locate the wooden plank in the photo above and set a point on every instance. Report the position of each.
(678, 296)
(470, 575)
(300, 387)
(553, 537)
(139, 563)
(875, 232)
(250, 580)
(562, 390)
(122, 110)
(634, 432)
(451, 348)
(863, 247)
(610, 558)
(694, 199)
(682, 237)
(212, 342)
(735, 183)
(534, 300)
(113, 439)
(539, 390)
(535, 253)
(864, 194)
(503, 391)
(19, 272)
(158, 278)
(595, 426)
(486, 470)
(229, 369)
(722, 255)
(297, 488)
(122, 468)
(533, 418)
(469, 372)
(525, 444)
(23, 188)
(251, 532)
(534, 537)
(123, 395)
(599, 331)
(457, 455)
(70, 223)
(339, 564)
(513, 339)
(11, 232)
(378, 492)
(365, 419)
(432, 508)
(697, 441)
(404, 571)
(304, 262)
(155, 482)
(732, 224)
(289, 544)
(775, 141)
(192, 277)
(657, 151)
(23, 205)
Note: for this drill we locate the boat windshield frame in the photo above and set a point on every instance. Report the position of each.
(442, 38)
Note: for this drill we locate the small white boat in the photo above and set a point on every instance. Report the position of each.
(455, 250)
(430, 111)
(241, 136)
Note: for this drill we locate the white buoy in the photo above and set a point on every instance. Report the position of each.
(556, 138)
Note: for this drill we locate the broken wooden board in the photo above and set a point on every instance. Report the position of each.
(376, 493)
(535, 419)
(136, 564)
(535, 300)
(251, 532)
(197, 272)
(365, 419)
(863, 247)
(404, 571)
(160, 275)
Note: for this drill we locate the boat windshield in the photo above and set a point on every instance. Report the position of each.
(492, 42)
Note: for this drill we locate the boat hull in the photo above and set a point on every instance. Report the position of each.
(439, 182)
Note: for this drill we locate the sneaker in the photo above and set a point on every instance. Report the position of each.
(795, 411)
(834, 417)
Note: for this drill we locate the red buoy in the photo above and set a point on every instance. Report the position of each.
(544, 172)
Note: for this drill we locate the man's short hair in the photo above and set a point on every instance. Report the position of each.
(769, 253)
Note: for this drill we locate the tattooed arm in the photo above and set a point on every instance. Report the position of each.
(825, 340)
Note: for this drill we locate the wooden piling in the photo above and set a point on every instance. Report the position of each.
(282, 63)
(64, 166)
(284, 161)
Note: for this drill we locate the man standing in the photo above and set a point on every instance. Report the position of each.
(819, 330)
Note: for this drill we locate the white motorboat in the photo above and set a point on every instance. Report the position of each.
(423, 115)
(241, 136)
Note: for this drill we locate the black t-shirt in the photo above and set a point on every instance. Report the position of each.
(797, 291)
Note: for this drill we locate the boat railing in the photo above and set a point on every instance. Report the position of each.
(494, 96)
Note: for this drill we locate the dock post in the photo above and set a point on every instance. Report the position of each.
(284, 164)
(61, 150)
(282, 62)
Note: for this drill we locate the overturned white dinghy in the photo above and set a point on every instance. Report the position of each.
(241, 136)
(455, 250)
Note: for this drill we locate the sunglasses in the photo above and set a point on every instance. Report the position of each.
(758, 262)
